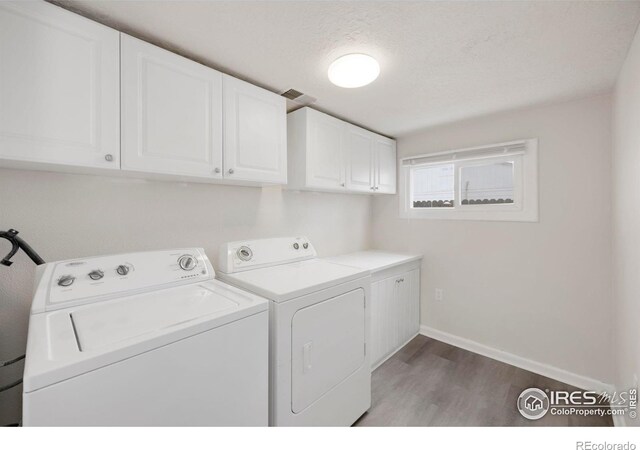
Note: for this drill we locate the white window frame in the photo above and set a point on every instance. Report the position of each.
(524, 154)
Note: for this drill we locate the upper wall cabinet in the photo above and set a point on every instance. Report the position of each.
(59, 87)
(328, 154)
(171, 112)
(359, 157)
(384, 154)
(255, 133)
(316, 156)
(68, 85)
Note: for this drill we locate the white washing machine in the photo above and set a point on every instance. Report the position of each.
(144, 339)
(320, 373)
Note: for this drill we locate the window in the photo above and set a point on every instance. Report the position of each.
(495, 182)
(432, 186)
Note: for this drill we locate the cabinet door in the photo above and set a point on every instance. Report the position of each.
(59, 87)
(255, 133)
(325, 157)
(408, 305)
(359, 150)
(383, 330)
(385, 165)
(171, 113)
(374, 346)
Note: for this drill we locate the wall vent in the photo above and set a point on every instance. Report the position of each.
(298, 97)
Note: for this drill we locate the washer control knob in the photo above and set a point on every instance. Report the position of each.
(66, 280)
(96, 274)
(305, 245)
(296, 245)
(244, 253)
(122, 269)
(187, 262)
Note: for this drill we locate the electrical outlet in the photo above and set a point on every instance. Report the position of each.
(439, 294)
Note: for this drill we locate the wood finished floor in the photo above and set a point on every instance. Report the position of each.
(430, 383)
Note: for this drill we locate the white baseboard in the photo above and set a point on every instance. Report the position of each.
(546, 370)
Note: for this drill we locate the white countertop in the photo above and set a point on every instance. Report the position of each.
(374, 260)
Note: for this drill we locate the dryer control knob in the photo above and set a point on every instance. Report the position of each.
(244, 253)
(187, 262)
(296, 245)
(66, 280)
(96, 274)
(122, 269)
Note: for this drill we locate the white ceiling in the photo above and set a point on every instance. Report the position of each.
(440, 61)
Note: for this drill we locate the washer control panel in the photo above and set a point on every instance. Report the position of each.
(76, 280)
(245, 255)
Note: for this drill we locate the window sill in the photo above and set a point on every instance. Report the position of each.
(485, 215)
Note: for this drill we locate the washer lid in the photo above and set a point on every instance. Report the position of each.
(287, 281)
(105, 324)
(68, 342)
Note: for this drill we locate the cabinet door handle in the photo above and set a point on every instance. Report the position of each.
(231, 171)
(216, 170)
(108, 157)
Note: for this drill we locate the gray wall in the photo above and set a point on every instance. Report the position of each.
(541, 291)
(68, 216)
(626, 222)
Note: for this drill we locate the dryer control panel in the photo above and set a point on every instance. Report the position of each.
(244, 255)
(85, 280)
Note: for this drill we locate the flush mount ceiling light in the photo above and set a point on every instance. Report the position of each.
(353, 70)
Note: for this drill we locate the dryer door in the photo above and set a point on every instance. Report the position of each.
(327, 346)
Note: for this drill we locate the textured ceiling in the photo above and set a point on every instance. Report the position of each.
(440, 61)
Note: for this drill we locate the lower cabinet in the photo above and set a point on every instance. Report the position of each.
(395, 313)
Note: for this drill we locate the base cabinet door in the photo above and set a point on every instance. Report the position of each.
(59, 87)
(171, 113)
(395, 314)
(408, 305)
(384, 330)
(255, 133)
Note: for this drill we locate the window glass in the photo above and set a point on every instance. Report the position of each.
(487, 184)
(433, 186)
